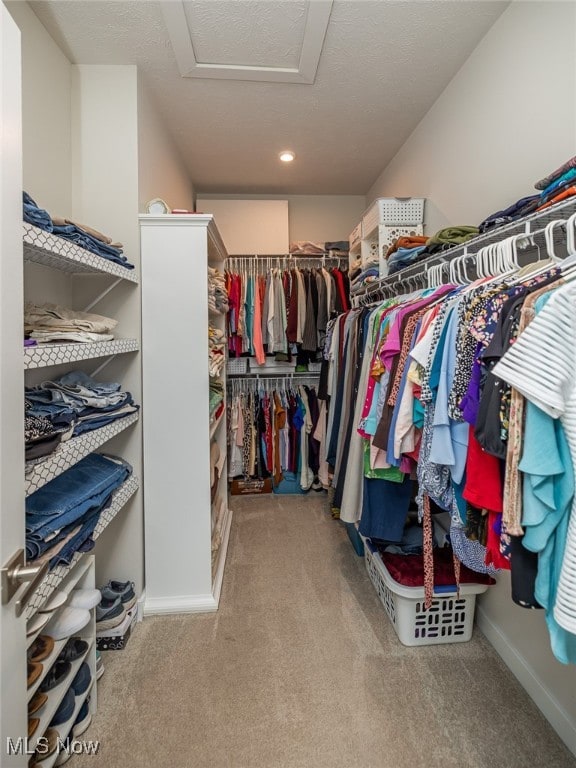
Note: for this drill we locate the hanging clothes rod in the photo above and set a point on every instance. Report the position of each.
(291, 256)
(414, 275)
(275, 374)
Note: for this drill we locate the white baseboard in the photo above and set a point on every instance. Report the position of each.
(219, 576)
(183, 604)
(556, 715)
(140, 606)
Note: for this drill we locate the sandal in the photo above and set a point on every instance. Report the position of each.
(37, 702)
(41, 648)
(58, 672)
(49, 745)
(34, 672)
(74, 648)
(32, 726)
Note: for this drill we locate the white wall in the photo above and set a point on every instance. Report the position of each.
(46, 132)
(249, 226)
(161, 170)
(507, 119)
(319, 218)
(105, 195)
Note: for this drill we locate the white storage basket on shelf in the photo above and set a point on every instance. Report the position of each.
(392, 211)
(237, 366)
(449, 619)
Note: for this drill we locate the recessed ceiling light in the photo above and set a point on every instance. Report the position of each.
(287, 156)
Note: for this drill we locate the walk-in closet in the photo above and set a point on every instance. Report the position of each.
(287, 445)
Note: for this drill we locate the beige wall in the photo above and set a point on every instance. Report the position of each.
(161, 170)
(313, 217)
(507, 118)
(46, 132)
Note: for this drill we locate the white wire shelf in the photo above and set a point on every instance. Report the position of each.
(527, 225)
(72, 451)
(44, 355)
(54, 578)
(43, 247)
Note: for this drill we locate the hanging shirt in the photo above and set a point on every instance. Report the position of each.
(542, 366)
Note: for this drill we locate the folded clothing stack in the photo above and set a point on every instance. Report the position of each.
(558, 186)
(216, 399)
(62, 515)
(53, 323)
(75, 403)
(306, 248)
(216, 351)
(85, 237)
(409, 250)
(337, 247)
(41, 435)
(364, 278)
(217, 294)
(517, 210)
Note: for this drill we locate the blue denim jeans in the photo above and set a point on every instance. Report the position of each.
(99, 421)
(34, 215)
(79, 378)
(84, 240)
(81, 541)
(67, 498)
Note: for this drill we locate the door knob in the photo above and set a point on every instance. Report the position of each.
(14, 574)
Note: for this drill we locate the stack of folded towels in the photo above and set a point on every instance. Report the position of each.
(53, 323)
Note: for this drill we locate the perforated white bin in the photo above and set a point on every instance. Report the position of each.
(393, 211)
(449, 619)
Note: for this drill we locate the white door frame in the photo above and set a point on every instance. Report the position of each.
(13, 699)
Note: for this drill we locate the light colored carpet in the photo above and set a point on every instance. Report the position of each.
(300, 668)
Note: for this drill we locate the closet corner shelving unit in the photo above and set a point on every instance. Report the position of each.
(182, 575)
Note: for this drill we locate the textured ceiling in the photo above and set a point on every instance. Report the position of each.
(253, 32)
(383, 64)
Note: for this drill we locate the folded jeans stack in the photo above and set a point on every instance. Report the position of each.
(217, 294)
(53, 323)
(62, 515)
(82, 235)
(78, 401)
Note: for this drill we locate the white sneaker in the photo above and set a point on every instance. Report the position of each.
(84, 598)
(67, 622)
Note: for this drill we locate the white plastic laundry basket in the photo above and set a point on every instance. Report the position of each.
(449, 619)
